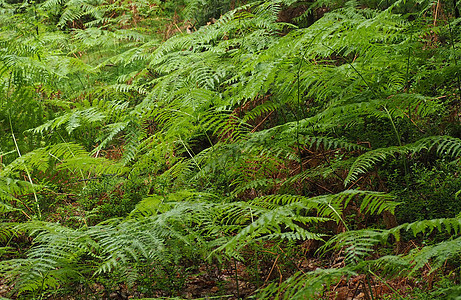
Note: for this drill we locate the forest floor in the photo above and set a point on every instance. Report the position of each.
(223, 285)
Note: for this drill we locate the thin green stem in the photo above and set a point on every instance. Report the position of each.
(190, 154)
(338, 215)
(393, 126)
(388, 285)
(399, 140)
(356, 71)
(455, 60)
(407, 79)
(369, 286)
(299, 103)
(27, 172)
(70, 150)
(236, 279)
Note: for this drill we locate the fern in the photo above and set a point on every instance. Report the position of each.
(359, 244)
(328, 207)
(443, 145)
(228, 117)
(305, 285)
(67, 156)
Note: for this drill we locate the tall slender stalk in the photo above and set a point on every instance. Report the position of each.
(236, 279)
(299, 103)
(455, 61)
(37, 205)
(399, 140)
(355, 70)
(407, 79)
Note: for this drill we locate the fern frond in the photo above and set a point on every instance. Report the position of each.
(446, 146)
(73, 120)
(287, 215)
(358, 244)
(270, 225)
(303, 285)
(10, 187)
(66, 155)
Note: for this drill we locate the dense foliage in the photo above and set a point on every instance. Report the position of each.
(274, 149)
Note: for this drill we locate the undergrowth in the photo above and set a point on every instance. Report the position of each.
(265, 149)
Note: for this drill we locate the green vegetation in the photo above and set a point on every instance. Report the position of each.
(276, 149)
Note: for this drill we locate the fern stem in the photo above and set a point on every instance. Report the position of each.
(393, 126)
(81, 82)
(208, 138)
(297, 118)
(70, 150)
(299, 105)
(399, 140)
(206, 134)
(407, 79)
(339, 216)
(356, 71)
(455, 60)
(236, 279)
(369, 286)
(331, 167)
(190, 154)
(388, 285)
(27, 171)
(42, 286)
(36, 21)
(299, 102)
